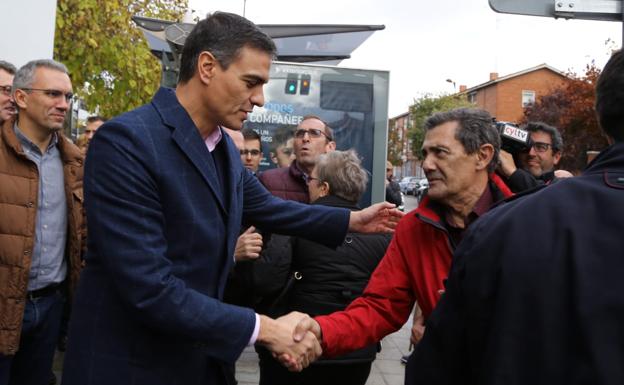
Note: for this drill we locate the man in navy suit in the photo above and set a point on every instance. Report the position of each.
(165, 196)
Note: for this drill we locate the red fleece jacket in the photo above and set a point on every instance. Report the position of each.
(413, 269)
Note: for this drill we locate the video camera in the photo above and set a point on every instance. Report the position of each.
(513, 138)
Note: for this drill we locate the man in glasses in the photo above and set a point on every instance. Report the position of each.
(251, 153)
(41, 226)
(537, 162)
(7, 110)
(313, 137)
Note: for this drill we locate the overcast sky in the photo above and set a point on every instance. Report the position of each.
(426, 42)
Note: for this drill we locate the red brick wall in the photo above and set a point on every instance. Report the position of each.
(504, 99)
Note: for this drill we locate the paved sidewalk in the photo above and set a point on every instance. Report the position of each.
(387, 368)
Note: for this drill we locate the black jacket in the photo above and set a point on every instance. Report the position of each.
(328, 279)
(522, 180)
(535, 294)
(332, 278)
(393, 193)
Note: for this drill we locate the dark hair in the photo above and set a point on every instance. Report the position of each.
(223, 35)
(328, 130)
(555, 136)
(249, 134)
(96, 118)
(8, 67)
(281, 135)
(610, 97)
(475, 129)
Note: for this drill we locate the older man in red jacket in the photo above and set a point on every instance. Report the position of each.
(460, 153)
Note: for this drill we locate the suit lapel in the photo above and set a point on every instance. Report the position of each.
(187, 137)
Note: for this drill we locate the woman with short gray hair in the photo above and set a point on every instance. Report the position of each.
(327, 280)
(338, 173)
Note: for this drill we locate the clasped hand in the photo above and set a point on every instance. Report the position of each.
(295, 350)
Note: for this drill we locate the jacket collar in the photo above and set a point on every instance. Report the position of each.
(433, 210)
(9, 137)
(611, 158)
(69, 152)
(609, 163)
(297, 174)
(186, 135)
(335, 201)
(548, 176)
(295, 171)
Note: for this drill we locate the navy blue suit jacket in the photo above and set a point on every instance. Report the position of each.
(161, 244)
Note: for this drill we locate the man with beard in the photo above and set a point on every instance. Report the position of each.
(537, 161)
(41, 222)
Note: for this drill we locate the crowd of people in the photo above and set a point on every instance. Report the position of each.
(159, 249)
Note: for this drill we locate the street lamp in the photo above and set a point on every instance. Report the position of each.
(452, 82)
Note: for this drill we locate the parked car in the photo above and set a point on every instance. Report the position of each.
(408, 184)
(421, 189)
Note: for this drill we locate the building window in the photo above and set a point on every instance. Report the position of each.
(528, 97)
(472, 97)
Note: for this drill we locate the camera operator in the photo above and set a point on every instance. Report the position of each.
(536, 161)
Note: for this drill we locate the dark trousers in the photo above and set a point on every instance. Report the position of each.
(32, 364)
(273, 373)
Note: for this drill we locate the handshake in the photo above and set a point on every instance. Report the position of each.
(294, 339)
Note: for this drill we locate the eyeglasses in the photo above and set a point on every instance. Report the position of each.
(253, 152)
(309, 178)
(312, 132)
(6, 90)
(54, 94)
(538, 146)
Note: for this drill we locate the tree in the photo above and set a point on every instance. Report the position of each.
(424, 107)
(570, 108)
(395, 144)
(110, 64)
